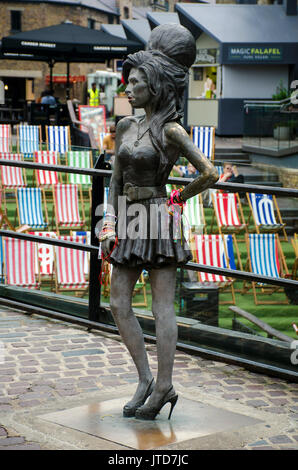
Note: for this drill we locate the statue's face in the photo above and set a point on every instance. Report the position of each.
(137, 89)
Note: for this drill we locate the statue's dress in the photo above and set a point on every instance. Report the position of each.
(148, 236)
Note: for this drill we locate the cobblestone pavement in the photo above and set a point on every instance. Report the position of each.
(47, 360)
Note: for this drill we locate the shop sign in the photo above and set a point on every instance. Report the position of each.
(255, 53)
(206, 56)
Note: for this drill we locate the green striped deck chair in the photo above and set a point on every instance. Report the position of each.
(193, 215)
(79, 159)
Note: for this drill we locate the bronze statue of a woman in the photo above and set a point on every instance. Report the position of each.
(147, 147)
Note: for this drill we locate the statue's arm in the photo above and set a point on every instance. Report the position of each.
(208, 175)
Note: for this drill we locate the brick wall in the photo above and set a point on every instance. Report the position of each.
(36, 16)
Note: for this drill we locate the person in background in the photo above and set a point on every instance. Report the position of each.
(93, 97)
(108, 144)
(47, 98)
(188, 171)
(230, 174)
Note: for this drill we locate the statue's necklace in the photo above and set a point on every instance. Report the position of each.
(139, 137)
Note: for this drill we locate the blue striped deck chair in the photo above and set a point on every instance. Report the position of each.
(266, 258)
(79, 159)
(29, 208)
(58, 138)
(204, 139)
(262, 209)
(28, 139)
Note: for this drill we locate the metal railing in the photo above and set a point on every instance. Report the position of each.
(96, 312)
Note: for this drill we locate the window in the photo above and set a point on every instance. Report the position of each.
(15, 20)
(91, 23)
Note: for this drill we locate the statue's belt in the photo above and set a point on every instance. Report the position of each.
(137, 193)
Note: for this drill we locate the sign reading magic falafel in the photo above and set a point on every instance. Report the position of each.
(255, 53)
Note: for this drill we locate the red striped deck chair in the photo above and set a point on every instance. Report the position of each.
(46, 178)
(45, 256)
(211, 250)
(68, 200)
(69, 267)
(225, 207)
(266, 258)
(5, 138)
(11, 177)
(19, 263)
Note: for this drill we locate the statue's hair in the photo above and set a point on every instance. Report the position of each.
(171, 51)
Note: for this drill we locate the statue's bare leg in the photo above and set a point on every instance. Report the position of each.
(163, 283)
(122, 285)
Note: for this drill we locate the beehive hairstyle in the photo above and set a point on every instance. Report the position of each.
(170, 52)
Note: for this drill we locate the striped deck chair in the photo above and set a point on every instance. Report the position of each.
(68, 200)
(204, 138)
(79, 159)
(86, 238)
(45, 256)
(69, 267)
(28, 139)
(262, 210)
(265, 257)
(11, 177)
(1, 262)
(29, 207)
(58, 138)
(219, 169)
(211, 250)
(225, 207)
(193, 216)
(19, 262)
(5, 138)
(46, 178)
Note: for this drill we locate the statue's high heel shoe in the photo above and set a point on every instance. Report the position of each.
(130, 408)
(147, 412)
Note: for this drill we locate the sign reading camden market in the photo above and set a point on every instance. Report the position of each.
(255, 53)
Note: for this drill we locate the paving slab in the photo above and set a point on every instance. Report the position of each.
(91, 369)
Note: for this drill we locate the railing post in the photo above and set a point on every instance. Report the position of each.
(95, 262)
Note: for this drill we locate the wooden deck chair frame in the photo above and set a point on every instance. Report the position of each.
(265, 289)
(80, 291)
(10, 139)
(224, 286)
(279, 218)
(228, 229)
(18, 138)
(44, 202)
(16, 285)
(213, 140)
(81, 212)
(68, 139)
(294, 242)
